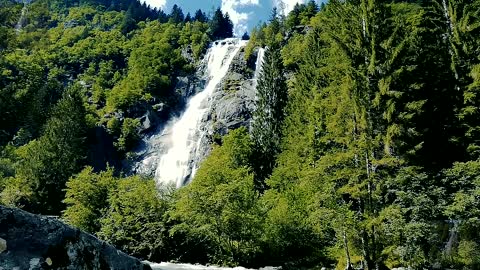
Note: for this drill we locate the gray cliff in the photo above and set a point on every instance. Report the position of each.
(230, 107)
(232, 104)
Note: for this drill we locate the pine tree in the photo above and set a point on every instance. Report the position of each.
(60, 152)
(357, 98)
(462, 28)
(271, 99)
(176, 16)
(227, 26)
(188, 18)
(293, 18)
(162, 17)
(200, 16)
(220, 25)
(128, 23)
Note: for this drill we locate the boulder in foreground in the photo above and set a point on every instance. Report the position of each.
(29, 241)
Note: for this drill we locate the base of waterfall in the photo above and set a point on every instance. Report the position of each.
(177, 266)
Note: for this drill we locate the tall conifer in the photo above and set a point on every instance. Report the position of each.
(269, 114)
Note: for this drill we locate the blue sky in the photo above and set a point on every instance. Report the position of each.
(245, 14)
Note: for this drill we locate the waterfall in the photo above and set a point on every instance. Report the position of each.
(452, 238)
(172, 266)
(21, 20)
(182, 134)
(259, 62)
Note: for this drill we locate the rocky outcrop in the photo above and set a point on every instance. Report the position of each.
(146, 156)
(233, 102)
(30, 241)
(231, 105)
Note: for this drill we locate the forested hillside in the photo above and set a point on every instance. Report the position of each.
(75, 79)
(363, 152)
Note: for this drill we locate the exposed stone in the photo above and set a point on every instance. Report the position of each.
(34, 263)
(148, 121)
(70, 24)
(38, 242)
(187, 54)
(147, 155)
(3, 245)
(160, 107)
(119, 115)
(230, 106)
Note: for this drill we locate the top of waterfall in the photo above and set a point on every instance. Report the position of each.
(227, 41)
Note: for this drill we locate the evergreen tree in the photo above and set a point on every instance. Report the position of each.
(176, 15)
(128, 24)
(162, 17)
(227, 26)
(220, 25)
(200, 16)
(188, 18)
(275, 23)
(271, 98)
(311, 9)
(462, 28)
(48, 162)
(293, 18)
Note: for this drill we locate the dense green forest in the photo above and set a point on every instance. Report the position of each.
(363, 152)
(71, 72)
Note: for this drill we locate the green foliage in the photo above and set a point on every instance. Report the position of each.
(357, 118)
(128, 134)
(463, 209)
(46, 164)
(371, 163)
(176, 16)
(301, 15)
(220, 205)
(90, 46)
(85, 198)
(271, 99)
(134, 220)
(194, 34)
(154, 61)
(220, 25)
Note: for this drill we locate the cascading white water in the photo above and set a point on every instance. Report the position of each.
(174, 165)
(259, 62)
(21, 20)
(171, 266)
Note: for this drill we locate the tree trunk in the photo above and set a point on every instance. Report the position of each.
(347, 252)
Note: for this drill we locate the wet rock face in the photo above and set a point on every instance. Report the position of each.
(231, 105)
(234, 100)
(148, 153)
(30, 241)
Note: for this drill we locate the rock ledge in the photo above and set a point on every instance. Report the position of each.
(29, 241)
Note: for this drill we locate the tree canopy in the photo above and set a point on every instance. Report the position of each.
(363, 150)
